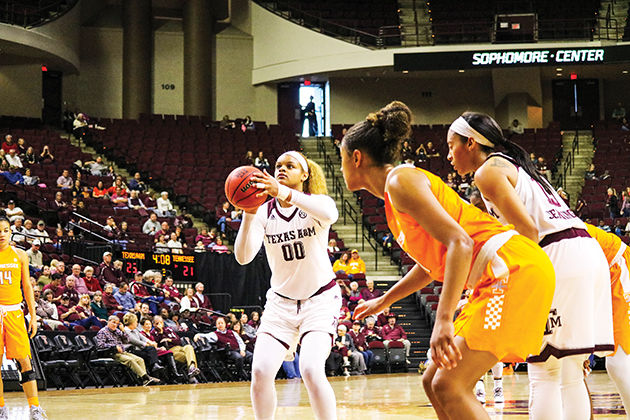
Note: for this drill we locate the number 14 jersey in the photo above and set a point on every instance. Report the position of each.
(296, 245)
(10, 277)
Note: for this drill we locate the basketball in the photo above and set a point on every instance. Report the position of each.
(240, 189)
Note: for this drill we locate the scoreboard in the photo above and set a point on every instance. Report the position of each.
(181, 267)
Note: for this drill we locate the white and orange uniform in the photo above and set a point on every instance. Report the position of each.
(13, 336)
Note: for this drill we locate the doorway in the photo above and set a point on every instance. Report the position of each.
(51, 94)
(315, 104)
(575, 102)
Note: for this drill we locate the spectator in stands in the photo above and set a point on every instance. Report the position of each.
(388, 240)
(542, 168)
(180, 235)
(44, 277)
(360, 344)
(30, 232)
(394, 332)
(29, 179)
(13, 176)
(65, 181)
(91, 282)
(47, 311)
(369, 292)
(105, 271)
(203, 301)
(371, 331)
(79, 283)
(136, 183)
(353, 294)
(205, 237)
(112, 338)
(582, 209)
(344, 313)
(612, 203)
(41, 234)
(13, 159)
(184, 220)
(109, 301)
(80, 314)
(18, 230)
(625, 125)
(619, 112)
(333, 250)
(71, 290)
(119, 198)
(8, 144)
(151, 226)
(58, 267)
(169, 339)
(226, 123)
(143, 346)
(99, 309)
(618, 228)
(125, 298)
(173, 292)
(247, 327)
(516, 127)
(223, 215)
(164, 231)
(382, 318)
(35, 256)
(261, 162)
(248, 159)
(175, 245)
(356, 265)
(46, 154)
(30, 158)
(624, 211)
(199, 247)
(13, 212)
(134, 202)
(21, 146)
(341, 265)
(230, 341)
(110, 229)
(164, 206)
(407, 153)
(99, 191)
(219, 247)
(432, 152)
(590, 174)
(357, 362)
(118, 183)
(96, 167)
(161, 246)
(55, 286)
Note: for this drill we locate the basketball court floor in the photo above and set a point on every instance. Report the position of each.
(374, 397)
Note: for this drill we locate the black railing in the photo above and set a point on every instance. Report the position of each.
(385, 35)
(33, 13)
(569, 162)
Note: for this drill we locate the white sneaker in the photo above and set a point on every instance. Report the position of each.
(4, 413)
(38, 413)
(480, 392)
(498, 395)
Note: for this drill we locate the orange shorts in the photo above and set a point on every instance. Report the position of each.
(508, 309)
(14, 336)
(620, 289)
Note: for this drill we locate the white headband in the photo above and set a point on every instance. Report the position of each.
(461, 127)
(297, 157)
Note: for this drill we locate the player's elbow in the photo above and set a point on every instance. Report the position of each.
(463, 243)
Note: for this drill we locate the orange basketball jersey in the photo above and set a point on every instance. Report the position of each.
(618, 257)
(10, 277)
(428, 251)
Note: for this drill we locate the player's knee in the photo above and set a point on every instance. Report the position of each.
(427, 379)
(443, 388)
(311, 372)
(261, 374)
(27, 376)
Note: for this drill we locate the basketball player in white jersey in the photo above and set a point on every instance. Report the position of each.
(580, 320)
(304, 300)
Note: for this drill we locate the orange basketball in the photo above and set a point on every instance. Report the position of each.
(240, 189)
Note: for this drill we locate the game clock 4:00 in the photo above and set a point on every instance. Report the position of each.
(181, 267)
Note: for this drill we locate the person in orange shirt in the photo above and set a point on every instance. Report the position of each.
(355, 264)
(14, 279)
(618, 257)
(511, 278)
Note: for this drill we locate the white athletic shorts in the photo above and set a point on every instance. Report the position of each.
(580, 319)
(287, 320)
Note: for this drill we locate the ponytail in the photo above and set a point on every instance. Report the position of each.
(489, 128)
(316, 182)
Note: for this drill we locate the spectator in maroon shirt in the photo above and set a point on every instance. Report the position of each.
(110, 301)
(359, 342)
(169, 339)
(55, 287)
(205, 237)
(105, 272)
(8, 144)
(202, 300)
(173, 292)
(370, 331)
(232, 342)
(394, 332)
(344, 314)
(164, 231)
(381, 320)
(369, 292)
(90, 281)
(71, 291)
(224, 215)
(78, 315)
(354, 296)
(254, 320)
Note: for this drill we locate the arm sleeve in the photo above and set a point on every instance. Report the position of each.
(211, 337)
(321, 207)
(250, 236)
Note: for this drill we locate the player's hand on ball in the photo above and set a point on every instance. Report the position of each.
(444, 352)
(371, 307)
(266, 183)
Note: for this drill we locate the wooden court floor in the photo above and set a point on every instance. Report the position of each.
(374, 397)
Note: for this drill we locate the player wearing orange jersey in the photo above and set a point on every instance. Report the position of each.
(14, 338)
(618, 257)
(511, 278)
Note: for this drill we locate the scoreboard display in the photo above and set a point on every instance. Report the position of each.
(181, 267)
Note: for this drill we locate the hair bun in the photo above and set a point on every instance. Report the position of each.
(395, 121)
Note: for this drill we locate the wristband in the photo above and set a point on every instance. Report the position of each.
(284, 192)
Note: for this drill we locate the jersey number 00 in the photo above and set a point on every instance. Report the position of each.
(293, 251)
